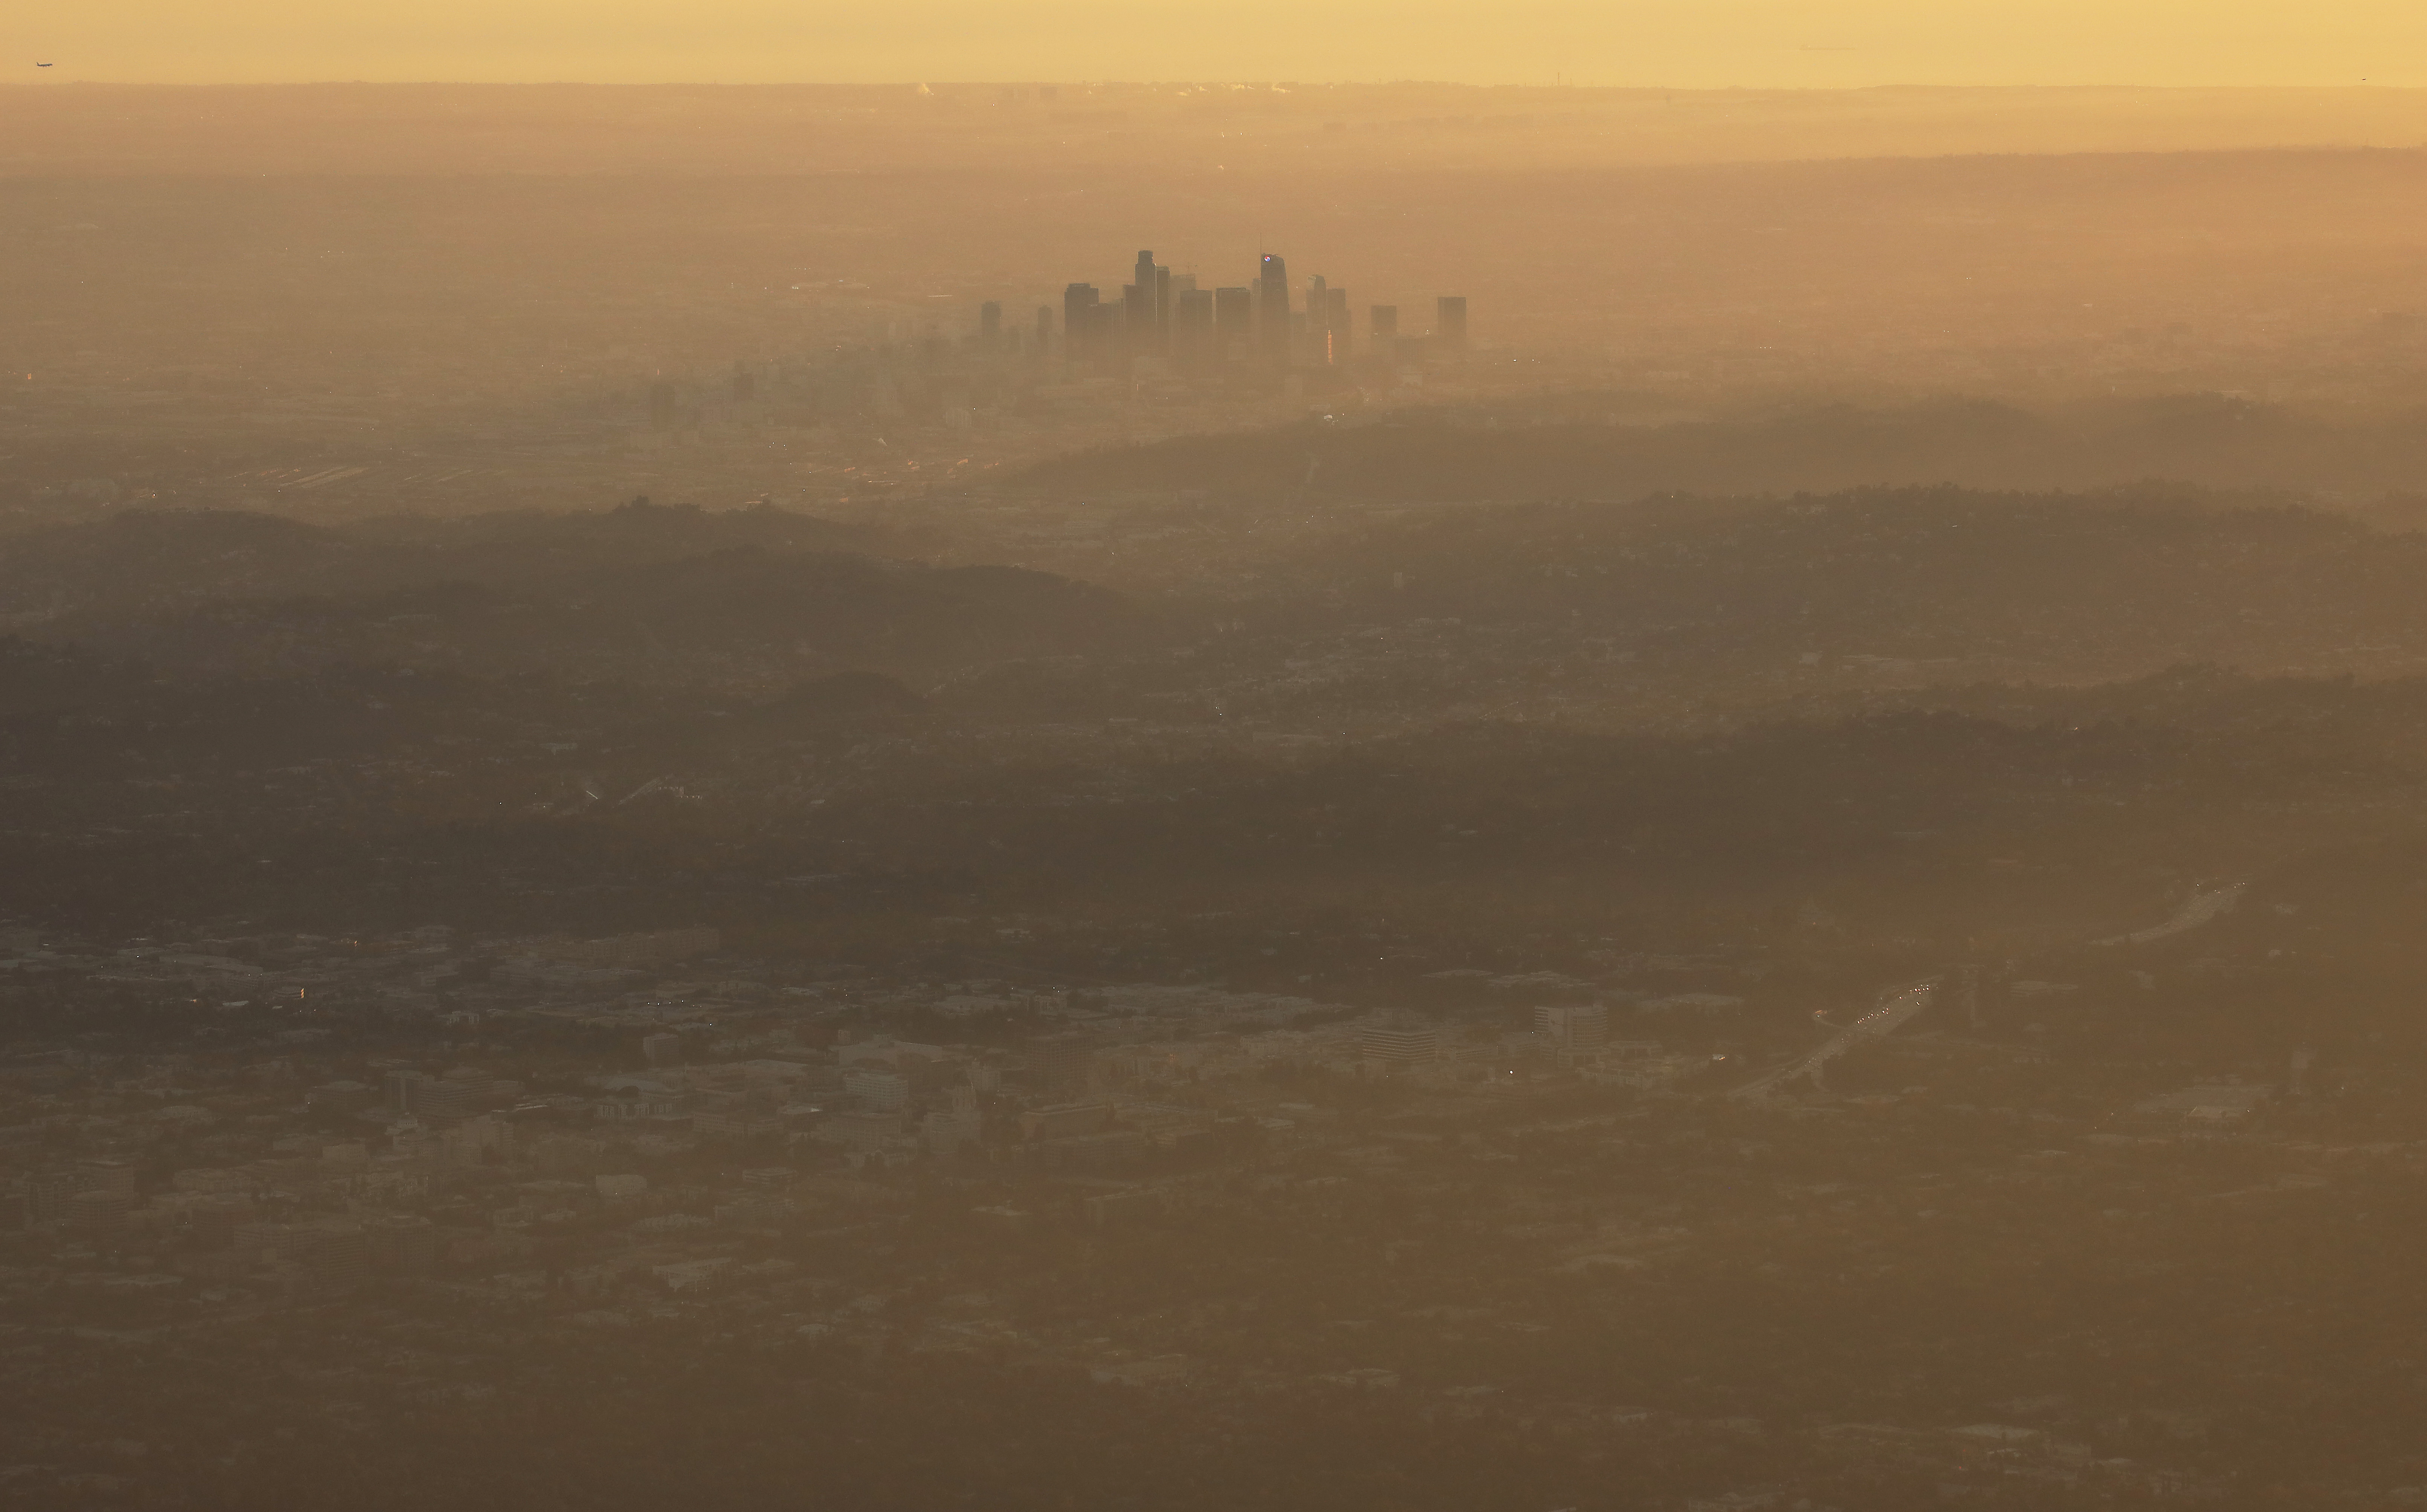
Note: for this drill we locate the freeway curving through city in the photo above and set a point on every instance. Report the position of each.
(2199, 908)
(1891, 1014)
(2202, 907)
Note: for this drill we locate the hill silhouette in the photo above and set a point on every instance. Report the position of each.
(2117, 583)
(148, 557)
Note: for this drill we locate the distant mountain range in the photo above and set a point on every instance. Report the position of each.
(757, 596)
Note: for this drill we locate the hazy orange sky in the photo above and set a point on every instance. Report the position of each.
(1680, 43)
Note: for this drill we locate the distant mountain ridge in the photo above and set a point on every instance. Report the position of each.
(757, 596)
(141, 557)
(2098, 581)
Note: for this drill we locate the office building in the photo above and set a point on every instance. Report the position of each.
(990, 325)
(1326, 323)
(449, 1100)
(1148, 313)
(399, 1242)
(1581, 1028)
(337, 1254)
(100, 1214)
(1059, 1062)
(1079, 307)
(1399, 1044)
(1234, 323)
(1192, 340)
(1273, 309)
(47, 1195)
(1137, 317)
(106, 1176)
(883, 1092)
(948, 1129)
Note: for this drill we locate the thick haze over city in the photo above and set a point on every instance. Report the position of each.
(1661, 757)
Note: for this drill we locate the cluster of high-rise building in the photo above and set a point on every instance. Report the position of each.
(1164, 315)
(1258, 338)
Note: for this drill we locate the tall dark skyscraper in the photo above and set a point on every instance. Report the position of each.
(1234, 321)
(1079, 322)
(1326, 323)
(1137, 317)
(1273, 309)
(1104, 334)
(1146, 312)
(990, 325)
(1193, 339)
(1449, 322)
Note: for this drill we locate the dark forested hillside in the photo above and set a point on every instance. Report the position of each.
(138, 559)
(753, 598)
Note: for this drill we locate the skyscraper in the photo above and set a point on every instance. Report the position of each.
(1147, 313)
(990, 325)
(1273, 309)
(1449, 323)
(1193, 340)
(1077, 322)
(1104, 334)
(1330, 325)
(1234, 322)
(1137, 317)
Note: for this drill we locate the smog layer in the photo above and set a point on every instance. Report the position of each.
(1189, 796)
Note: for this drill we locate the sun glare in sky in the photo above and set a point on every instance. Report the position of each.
(1687, 43)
